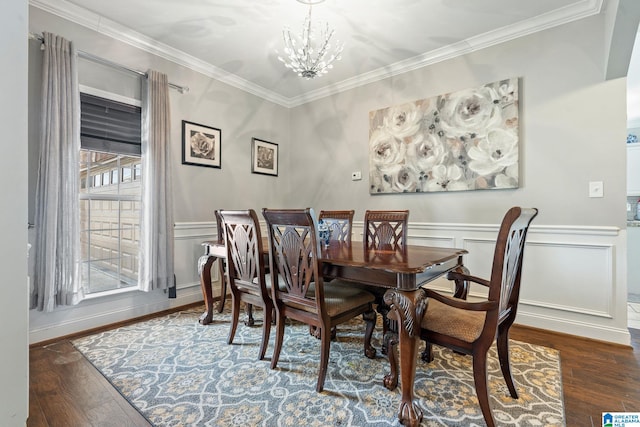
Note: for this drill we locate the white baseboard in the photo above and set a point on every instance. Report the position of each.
(582, 329)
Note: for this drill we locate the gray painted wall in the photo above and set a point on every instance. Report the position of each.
(572, 130)
(14, 358)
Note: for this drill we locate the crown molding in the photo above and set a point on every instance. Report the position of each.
(542, 22)
(102, 25)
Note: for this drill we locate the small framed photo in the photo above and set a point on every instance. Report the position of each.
(264, 157)
(200, 145)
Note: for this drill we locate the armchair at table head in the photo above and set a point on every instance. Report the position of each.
(340, 224)
(245, 270)
(471, 327)
(385, 229)
(298, 289)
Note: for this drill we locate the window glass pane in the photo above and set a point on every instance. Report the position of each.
(110, 221)
(137, 171)
(126, 174)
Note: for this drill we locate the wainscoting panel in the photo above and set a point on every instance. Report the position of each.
(189, 248)
(569, 277)
(574, 279)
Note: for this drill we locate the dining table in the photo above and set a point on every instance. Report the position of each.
(399, 270)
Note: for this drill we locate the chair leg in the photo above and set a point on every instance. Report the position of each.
(250, 320)
(314, 331)
(235, 313)
(480, 380)
(223, 286)
(325, 346)
(266, 331)
(279, 336)
(427, 354)
(390, 380)
(502, 342)
(383, 309)
(370, 321)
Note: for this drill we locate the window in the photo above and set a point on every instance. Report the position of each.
(126, 174)
(110, 140)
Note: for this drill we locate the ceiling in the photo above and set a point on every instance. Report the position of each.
(236, 40)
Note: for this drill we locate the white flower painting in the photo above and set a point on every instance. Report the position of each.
(465, 140)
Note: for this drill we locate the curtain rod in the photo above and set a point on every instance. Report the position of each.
(181, 89)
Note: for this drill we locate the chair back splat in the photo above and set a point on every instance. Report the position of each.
(340, 224)
(385, 229)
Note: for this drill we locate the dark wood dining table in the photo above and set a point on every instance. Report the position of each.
(402, 271)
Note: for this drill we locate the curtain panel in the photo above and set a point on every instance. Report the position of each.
(57, 217)
(156, 268)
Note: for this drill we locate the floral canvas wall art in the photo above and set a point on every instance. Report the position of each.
(464, 140)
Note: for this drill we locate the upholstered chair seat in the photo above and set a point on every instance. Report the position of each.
(462, 324)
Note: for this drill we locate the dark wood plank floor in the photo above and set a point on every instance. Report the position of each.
(66, 390)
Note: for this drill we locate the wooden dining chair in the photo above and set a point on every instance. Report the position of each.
(385, 229)
(221, 263)
(471, 327)
(340, 224)
(245, 270)
(302, 294)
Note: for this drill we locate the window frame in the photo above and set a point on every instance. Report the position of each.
(87, 193)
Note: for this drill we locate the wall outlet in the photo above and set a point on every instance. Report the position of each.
(356, 176)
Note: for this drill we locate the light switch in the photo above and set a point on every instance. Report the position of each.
(596, 189)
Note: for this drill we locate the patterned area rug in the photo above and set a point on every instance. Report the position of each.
(177, 372)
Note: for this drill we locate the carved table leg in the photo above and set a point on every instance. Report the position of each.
(204, 269)
(408, 308)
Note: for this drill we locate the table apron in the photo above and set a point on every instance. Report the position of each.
(389, 279)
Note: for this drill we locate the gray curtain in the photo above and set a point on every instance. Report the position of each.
(57, 217)
(156, 224)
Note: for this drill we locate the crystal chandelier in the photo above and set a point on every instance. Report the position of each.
(305, 55)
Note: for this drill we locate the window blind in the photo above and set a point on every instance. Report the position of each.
(109, 126)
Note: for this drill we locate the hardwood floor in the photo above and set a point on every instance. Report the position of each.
(66, 390)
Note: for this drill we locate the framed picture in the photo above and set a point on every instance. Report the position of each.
(200, 145)
(264, 157)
